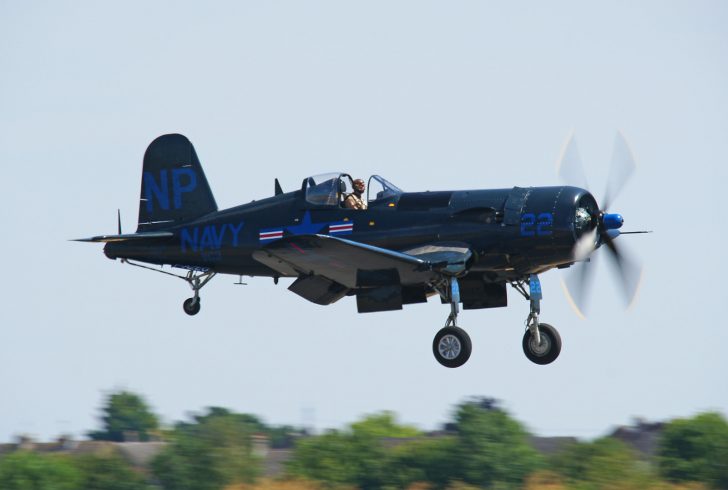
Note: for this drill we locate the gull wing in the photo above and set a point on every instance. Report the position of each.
(351, 264)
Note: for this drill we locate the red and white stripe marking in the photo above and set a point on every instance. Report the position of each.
(341, 228)
(271, 235)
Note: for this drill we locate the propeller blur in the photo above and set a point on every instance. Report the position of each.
(603, 227)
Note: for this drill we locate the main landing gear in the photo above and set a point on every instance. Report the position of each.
(541, 341)
(452, 346)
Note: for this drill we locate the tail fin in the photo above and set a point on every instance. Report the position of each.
(174, 187)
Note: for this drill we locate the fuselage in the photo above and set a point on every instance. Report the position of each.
(512, 232)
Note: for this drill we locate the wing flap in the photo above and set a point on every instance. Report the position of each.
(449, 257)
(318, 289)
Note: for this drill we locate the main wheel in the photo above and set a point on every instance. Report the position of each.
(548, 350)
(452, 347)
(191, 306)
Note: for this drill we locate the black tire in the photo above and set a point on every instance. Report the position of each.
(191, 306)
(549, 349)
(452, 347)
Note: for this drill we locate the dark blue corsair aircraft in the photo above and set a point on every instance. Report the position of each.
(463, 246)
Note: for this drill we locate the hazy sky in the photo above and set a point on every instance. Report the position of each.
(432, 95)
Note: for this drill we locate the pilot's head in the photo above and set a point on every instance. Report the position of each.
(359, 186)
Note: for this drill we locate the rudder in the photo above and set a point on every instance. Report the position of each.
(174, 187)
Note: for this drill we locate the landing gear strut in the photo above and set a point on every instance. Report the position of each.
(191, 306)
(452, 345)
(541, 341)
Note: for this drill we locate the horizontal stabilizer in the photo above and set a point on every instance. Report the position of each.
(127, 237)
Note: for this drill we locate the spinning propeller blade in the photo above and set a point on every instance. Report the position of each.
(586, 245)
(630, 273)
(569, 166)
(622, 168)
(577, 283)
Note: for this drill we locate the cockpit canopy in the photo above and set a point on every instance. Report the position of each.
(330, 190)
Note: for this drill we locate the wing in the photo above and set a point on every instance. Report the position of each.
(348, 263)
(328, 268)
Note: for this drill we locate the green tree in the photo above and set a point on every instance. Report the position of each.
(108, 473)
(493, 448)
(23, 470)
(355, 456)
(209, 453)
(604, 463)
(126, 413)
(426, 460)
(279, 436)
(282, 436)
(383, 425)
(340, 458)
(695, 449)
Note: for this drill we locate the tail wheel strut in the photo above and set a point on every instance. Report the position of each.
(191, 306)
(197, 279)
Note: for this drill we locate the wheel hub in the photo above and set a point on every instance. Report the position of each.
(449, 347)
(540, 349)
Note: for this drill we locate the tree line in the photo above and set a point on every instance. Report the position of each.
(482, 448)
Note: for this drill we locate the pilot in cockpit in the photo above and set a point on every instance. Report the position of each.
(355, 199)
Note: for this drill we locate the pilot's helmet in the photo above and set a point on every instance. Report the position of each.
(359, 185)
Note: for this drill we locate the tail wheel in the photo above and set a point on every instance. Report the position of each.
(545, 352)
(191, 306)
(452, 347)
